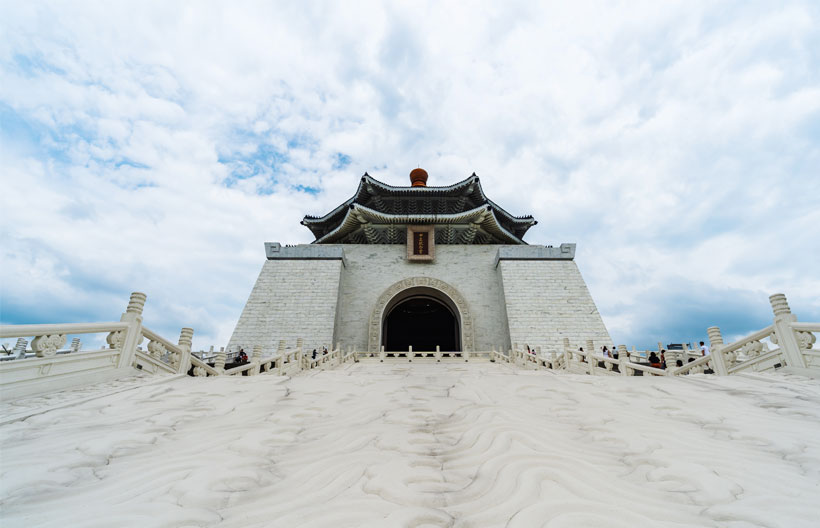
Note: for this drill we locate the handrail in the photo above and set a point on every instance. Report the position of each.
(757, 336)
(196, 362)
(80, 355)
(705, 360)
(153, 336)
(241, 368)
(27, 330)
(749, 363)
(156, 362)
(606, 359)
(646, 368)
(805, 327)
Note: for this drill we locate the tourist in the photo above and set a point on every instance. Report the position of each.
(242, 356)
(704, 349)
(324, 351)
(679, 363)
(605, 352)
(654, 361)
(663, 359)
(313, 356)
(581, 350)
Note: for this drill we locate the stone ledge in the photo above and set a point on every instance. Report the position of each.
(276, 251)
(564, 252)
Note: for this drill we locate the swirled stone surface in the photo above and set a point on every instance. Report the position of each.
(465, 445)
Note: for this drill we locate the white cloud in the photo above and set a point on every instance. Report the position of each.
(676, 143)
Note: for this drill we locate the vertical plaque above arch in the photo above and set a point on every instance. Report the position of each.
(466, 319)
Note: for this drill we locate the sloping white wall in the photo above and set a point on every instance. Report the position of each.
(548, 300)
(291, 299)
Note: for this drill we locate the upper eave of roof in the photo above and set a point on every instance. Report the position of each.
(359, 214)
(367, 182)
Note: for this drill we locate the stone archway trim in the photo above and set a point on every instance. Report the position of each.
(374, 332)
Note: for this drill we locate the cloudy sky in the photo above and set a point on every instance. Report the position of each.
(155, 146)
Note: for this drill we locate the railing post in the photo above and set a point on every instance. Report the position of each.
(279, 362)
(783, 333)
(219, 362)
(623, 360)
(185, 342)
(716, 351)
(381, 354)
(133, 336)
(256, 355)
(20, 348)
(299, 354)
(567, 354)
(685, 357)
(590, 360)
(410, 353)
(438, 353)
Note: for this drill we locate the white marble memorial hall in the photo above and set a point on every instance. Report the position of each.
(392, 261)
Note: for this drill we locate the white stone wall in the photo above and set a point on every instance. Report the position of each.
(371, 269)
(547, 300)
(291, 299)
(529, 302)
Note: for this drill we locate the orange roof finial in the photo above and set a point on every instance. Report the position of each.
(418, 178)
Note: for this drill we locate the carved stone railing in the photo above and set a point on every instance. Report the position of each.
(794, 344)
(46, 370)
(50, 370)
(283, 362)
(806, 338)
(164, 356)
(327, 359)
(411, 355)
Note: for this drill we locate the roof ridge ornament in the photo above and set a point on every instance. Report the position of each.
(418, 177)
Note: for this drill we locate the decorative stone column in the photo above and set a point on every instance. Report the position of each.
(256, 355)
(716, 351)
(783, 333)
(591, 363)
(219, 363)
(567, 353)
(185, 342)
(133, 336)
(20, 348)
(623, 360)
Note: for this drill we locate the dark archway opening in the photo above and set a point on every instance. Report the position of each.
(422, 322)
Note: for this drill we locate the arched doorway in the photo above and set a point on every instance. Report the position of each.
(420, 286)
(423, 322)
